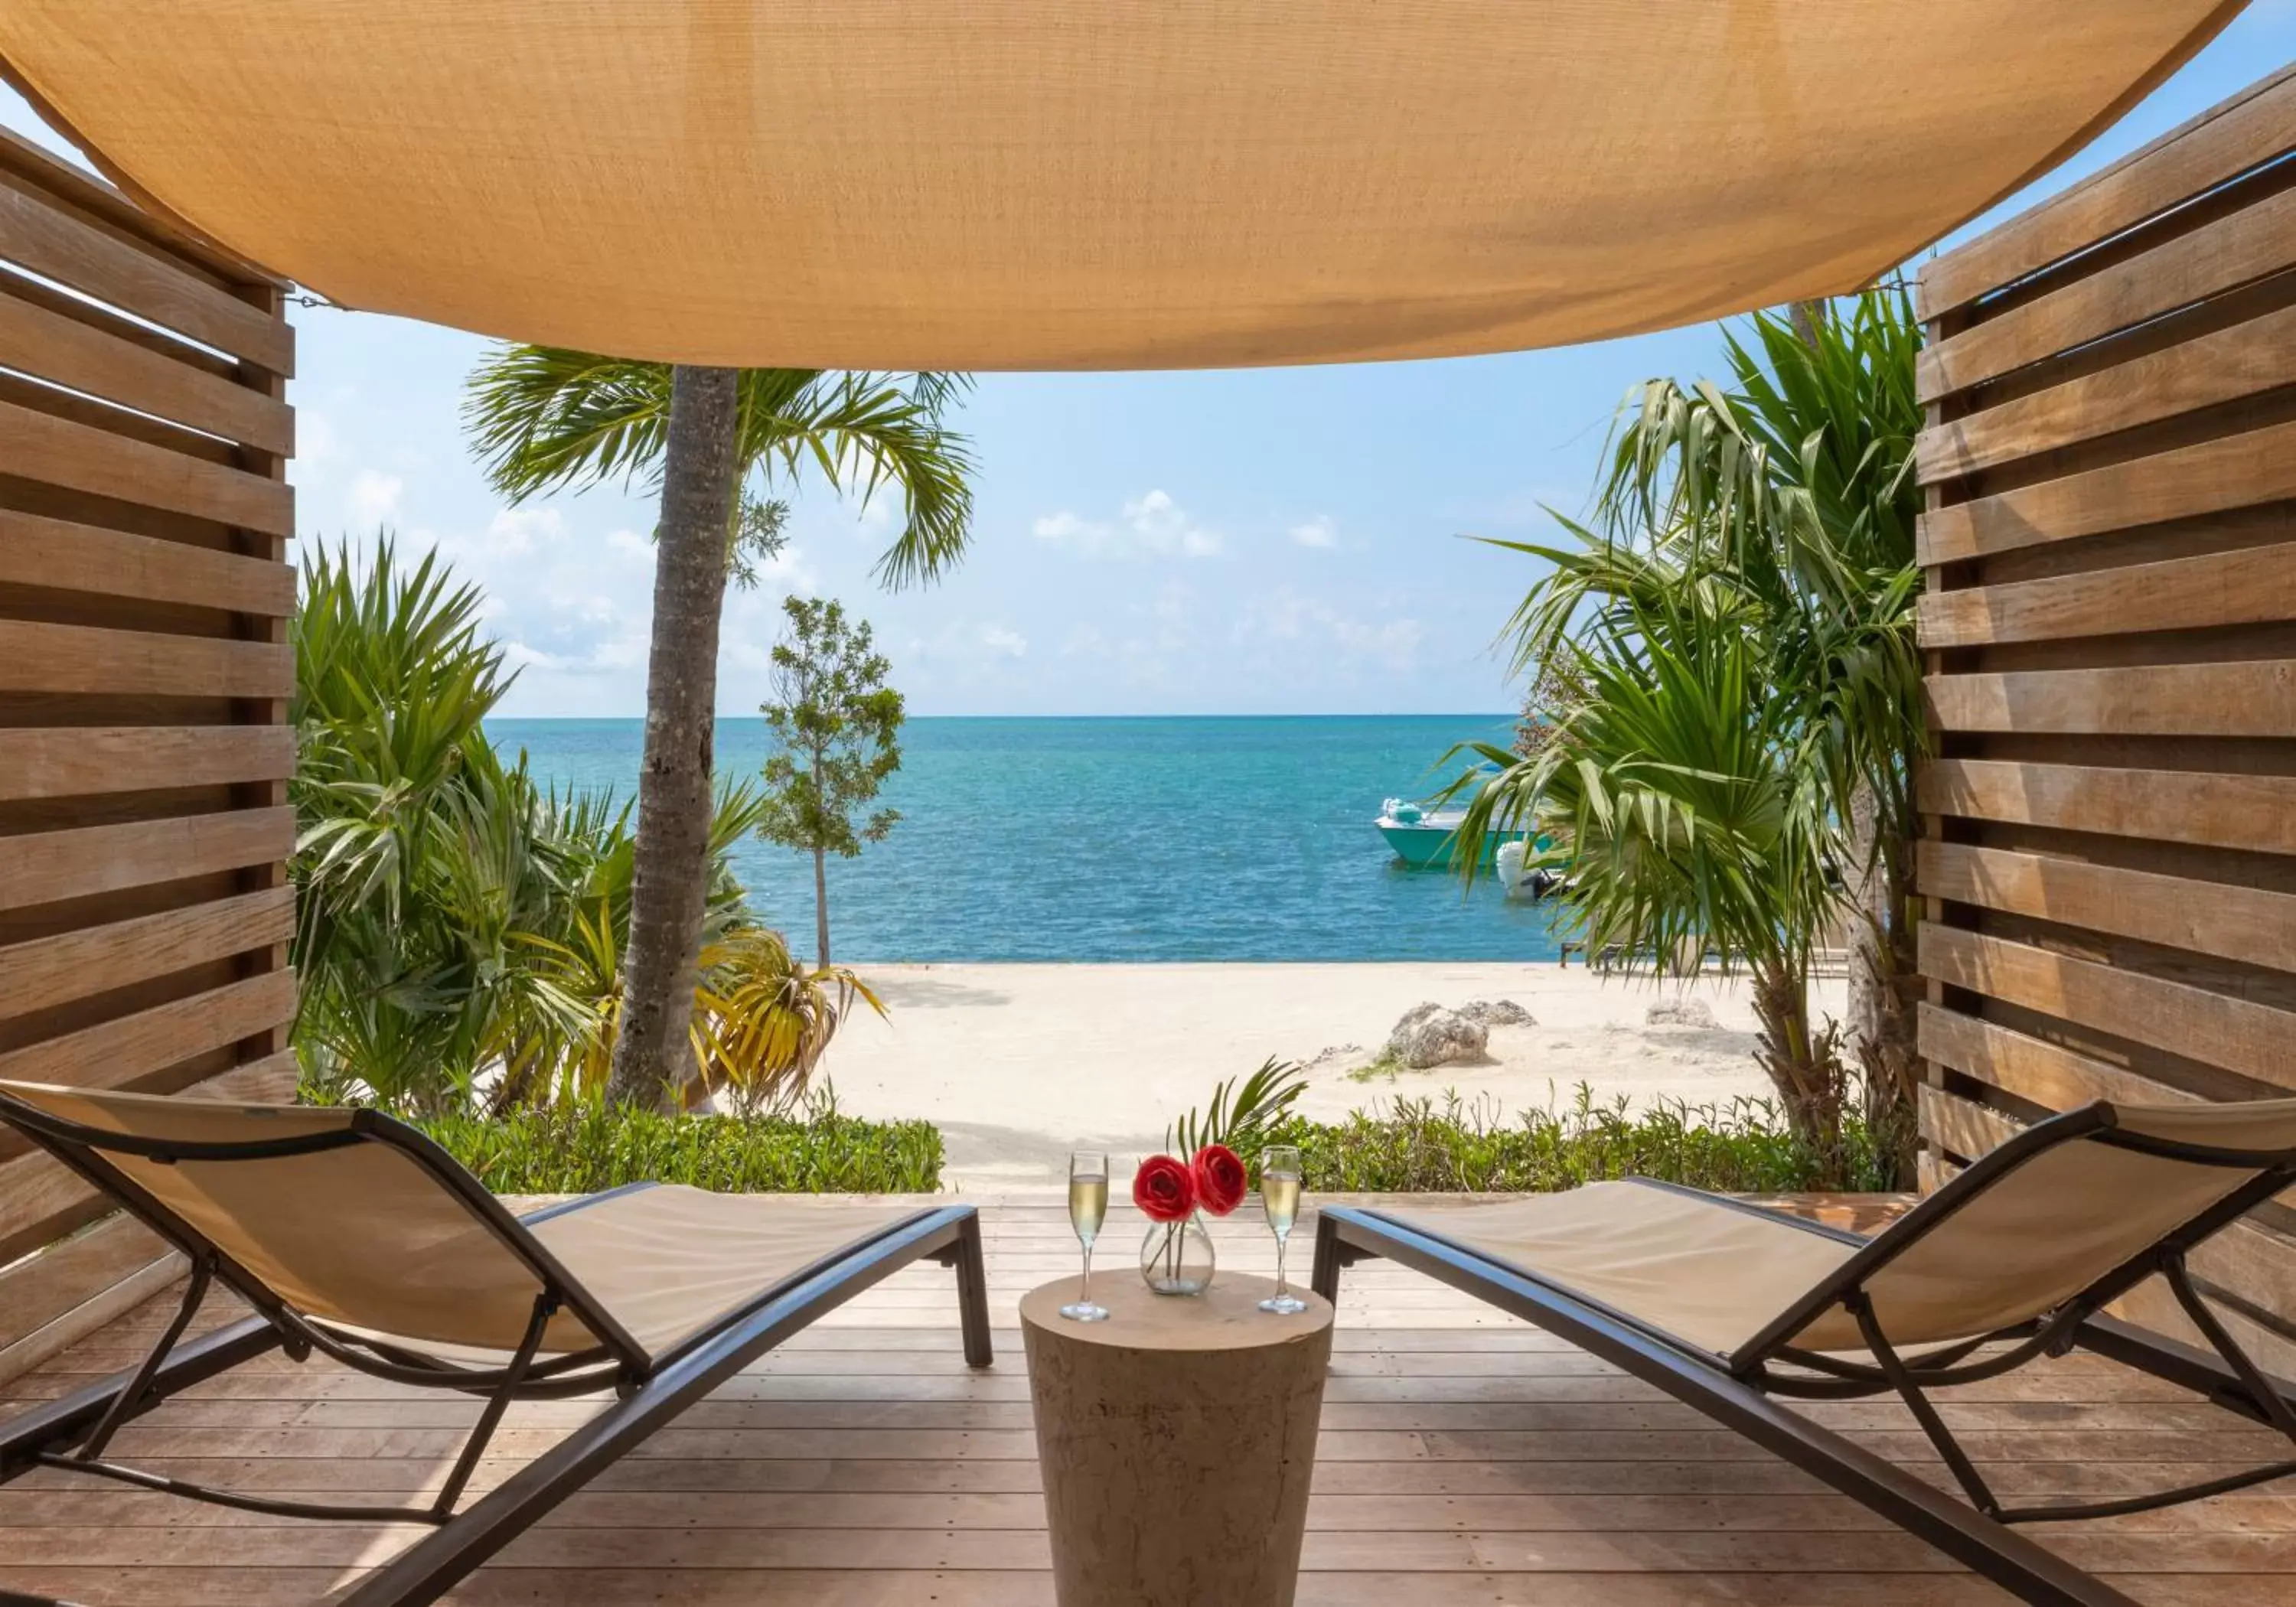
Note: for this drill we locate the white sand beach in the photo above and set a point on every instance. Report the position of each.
(1018, 1063)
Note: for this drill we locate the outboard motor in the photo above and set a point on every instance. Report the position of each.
(1510, 856)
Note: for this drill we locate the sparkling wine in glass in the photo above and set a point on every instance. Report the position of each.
(1279, 1196)
(1088, 1205)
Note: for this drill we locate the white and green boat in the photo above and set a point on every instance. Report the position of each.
(1422, 838)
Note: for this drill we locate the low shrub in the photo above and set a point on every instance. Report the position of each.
(581, 1149)
(1427, 1146)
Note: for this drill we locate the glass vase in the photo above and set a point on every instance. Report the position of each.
(1176, 1257)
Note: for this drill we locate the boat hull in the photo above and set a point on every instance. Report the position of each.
(1426, 845)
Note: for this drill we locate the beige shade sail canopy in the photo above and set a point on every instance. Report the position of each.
(1081, 184)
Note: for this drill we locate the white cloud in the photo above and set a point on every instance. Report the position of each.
(1163, 526)
(513, 532)
(373, 496)
(1291, 616)
(1152, 525)
(1321, 531)
(1065, 526)
(965, 641)
(788, 571)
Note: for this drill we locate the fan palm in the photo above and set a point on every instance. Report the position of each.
(421, 861)
(546, 418)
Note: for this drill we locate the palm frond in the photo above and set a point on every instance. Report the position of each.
(1240, 1116)
(547, 418)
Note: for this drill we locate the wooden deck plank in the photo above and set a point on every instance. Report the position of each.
(1465, 1457)
(738, 1587)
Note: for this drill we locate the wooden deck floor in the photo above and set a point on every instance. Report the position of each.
(1465, 1459)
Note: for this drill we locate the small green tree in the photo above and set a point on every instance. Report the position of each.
(838, 725)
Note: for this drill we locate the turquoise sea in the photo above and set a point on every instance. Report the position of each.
(1152, 839)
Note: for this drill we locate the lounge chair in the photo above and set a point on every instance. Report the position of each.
(1726, 1305)
(353, 1235)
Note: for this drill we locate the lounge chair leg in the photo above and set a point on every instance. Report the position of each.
(973, 1293)
(545, 1306)
(1324, 1276)
(2268, 1399)
(1964, 1471)
(25, 1439)
(130, 1398)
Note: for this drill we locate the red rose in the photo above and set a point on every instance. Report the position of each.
(1218, 1177)
(1163, 1190)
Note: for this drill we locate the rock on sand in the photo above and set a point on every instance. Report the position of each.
(1681, 1012)
(1429, 1034)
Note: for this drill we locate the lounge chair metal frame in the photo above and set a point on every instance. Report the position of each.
(1737, 1391)
(72, 1433)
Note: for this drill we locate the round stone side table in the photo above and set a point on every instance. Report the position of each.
(1176, 1440)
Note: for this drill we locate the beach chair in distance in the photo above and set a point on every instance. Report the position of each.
(353, 1235)
(1728, 1307)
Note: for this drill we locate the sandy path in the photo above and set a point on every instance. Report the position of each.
(1019, 1063)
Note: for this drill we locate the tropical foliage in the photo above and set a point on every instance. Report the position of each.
(1244, 1116)
(461, 927)
(762, 1019)
(716, 441)
(1727, 762)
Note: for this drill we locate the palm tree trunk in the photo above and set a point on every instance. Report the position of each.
(1883, 1013)
(1867, 898)
(1801, 1067)
(821, 902)
(669, 884)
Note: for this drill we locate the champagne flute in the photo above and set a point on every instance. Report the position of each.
(1088, 1205)
(1279, 1196)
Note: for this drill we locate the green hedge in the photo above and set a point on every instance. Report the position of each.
(1419, 1147)
(1415, 1147)
(588, 1148)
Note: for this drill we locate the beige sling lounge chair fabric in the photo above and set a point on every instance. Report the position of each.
(1699, 1268)
(1716, 1275)
(669, 1261)
(1082, 184)
(364, 1238)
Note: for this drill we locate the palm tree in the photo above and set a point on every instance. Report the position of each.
(1679, 785)
(546, 418)
(1789, 500)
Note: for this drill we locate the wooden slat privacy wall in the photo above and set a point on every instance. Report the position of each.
(145, 670)
(2108, 863)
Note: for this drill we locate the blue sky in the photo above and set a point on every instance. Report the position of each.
(1240, 542)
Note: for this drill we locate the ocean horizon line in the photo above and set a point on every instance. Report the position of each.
(1440, 714)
